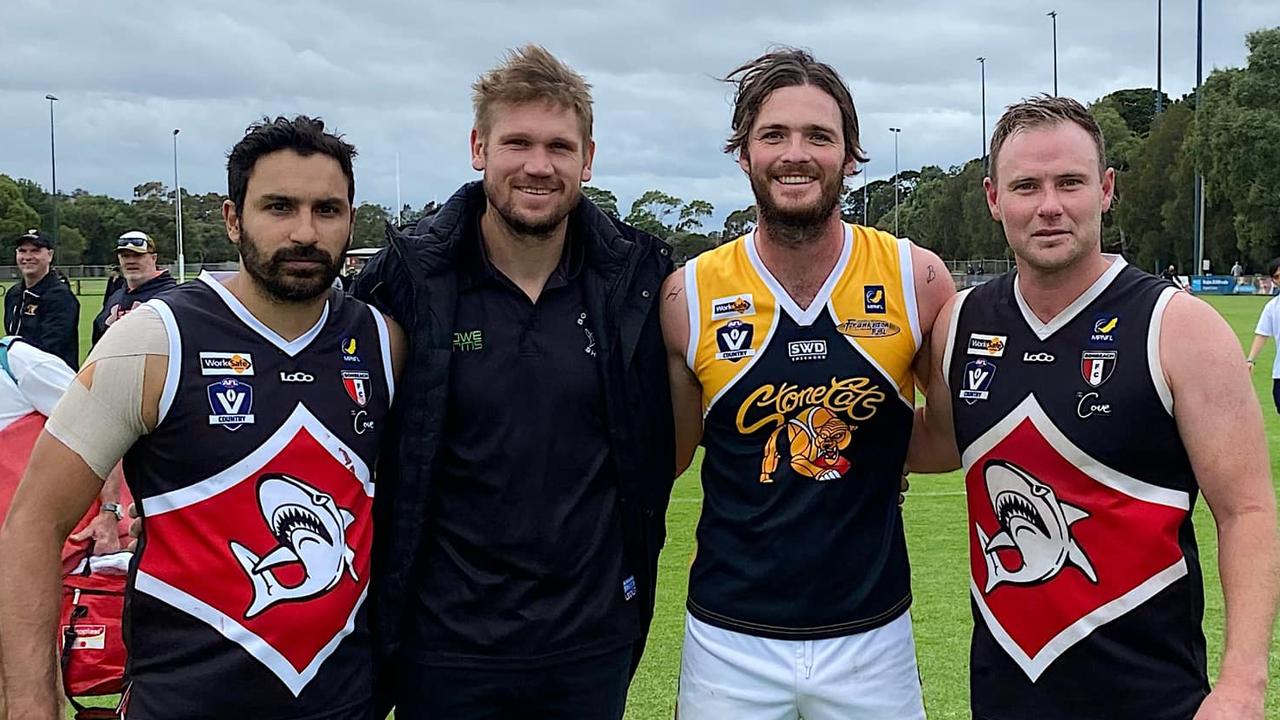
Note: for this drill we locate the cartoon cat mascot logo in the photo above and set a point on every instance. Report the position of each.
(812, 443)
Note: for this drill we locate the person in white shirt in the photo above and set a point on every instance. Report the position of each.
(1269, 327)
(31, 383)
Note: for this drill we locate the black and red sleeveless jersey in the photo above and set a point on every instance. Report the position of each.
(1085, 579)
(247, 593)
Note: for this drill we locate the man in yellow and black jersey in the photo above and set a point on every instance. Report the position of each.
(792, 353)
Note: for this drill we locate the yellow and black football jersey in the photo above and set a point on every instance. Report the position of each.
(807, 417)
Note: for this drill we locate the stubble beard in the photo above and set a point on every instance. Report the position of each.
(798, 227)
(268, 273)
(529, 228)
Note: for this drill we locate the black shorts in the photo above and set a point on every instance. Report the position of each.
(1275, 393)
(593, 688)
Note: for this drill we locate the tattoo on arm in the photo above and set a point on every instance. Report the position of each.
(932, 274)
(675, 293)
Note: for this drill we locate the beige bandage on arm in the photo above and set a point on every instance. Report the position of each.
(100, 423)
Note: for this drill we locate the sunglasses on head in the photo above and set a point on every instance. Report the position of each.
(132, 243)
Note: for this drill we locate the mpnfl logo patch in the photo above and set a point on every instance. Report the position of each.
(874, 298)
(734, 306)
(1104, 327)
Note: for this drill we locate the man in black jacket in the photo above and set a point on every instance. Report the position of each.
(40, 307)
(142, 280)
(522, 509)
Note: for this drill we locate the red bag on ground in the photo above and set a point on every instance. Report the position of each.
(90, 634)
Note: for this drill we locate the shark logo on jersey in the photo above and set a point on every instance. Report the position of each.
(311, 531)
(1034, 523)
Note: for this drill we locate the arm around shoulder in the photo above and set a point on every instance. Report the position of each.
(933, 284)
(385, 284)
(686, 391)
(933, 438)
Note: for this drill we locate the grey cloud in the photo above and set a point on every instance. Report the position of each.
(395, 75)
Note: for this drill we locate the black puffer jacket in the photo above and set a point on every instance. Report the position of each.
(415, 282)
(46, 315)
(123, 300)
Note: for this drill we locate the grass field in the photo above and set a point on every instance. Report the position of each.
(936, 534)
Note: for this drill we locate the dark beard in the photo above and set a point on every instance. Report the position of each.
(288, 287)
(795, 228)
(527, 228)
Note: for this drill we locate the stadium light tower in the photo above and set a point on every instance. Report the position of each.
(864, 195)
(1159, 55)
(1197, 250)
(896, 183)
(53, 166)
(982, 62)
(177, 201)
(1054, 15)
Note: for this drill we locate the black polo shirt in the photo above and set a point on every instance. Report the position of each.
(522, 561)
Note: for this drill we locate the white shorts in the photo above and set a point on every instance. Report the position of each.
(868, 676)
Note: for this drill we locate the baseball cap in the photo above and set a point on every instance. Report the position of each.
(35, 237)
(135, 241)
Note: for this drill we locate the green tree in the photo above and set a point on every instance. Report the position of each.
(692, 214)
(1154, 232)
(603, 199)
(739, 223)
(70, 246)
(653, 213)
(879, 201)
(1138, 108)
(16, 216)
(1236, 140)
(370, 226)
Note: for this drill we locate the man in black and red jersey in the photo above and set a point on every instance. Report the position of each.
(247, 410)
(1089, 404)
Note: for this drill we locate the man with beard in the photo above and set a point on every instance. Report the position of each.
(1090, 416)
(792, 355)
(247, 410)
(519, 552)
(40, 307)
(136, 252)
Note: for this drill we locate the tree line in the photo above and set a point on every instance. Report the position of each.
(1233, 138)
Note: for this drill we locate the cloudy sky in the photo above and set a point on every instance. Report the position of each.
(395, 75)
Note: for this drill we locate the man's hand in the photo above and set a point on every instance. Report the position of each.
(135, 528)
(101, 532)
(1228, 702)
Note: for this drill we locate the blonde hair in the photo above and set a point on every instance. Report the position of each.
(1040, 111)
(531, 74)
